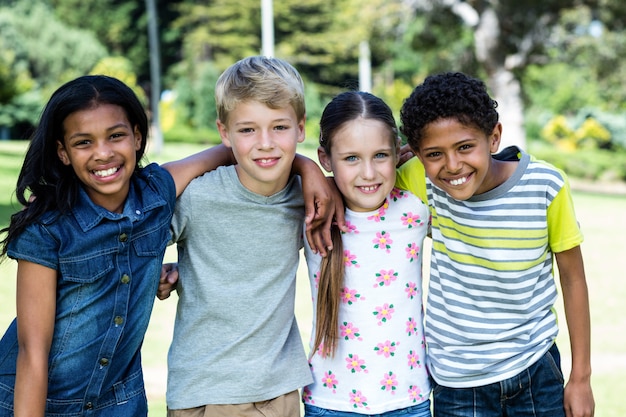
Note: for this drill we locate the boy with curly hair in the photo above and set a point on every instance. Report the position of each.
(497, 223)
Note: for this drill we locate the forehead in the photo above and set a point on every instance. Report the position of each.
(444, 132)
(255, 112)
(100, 116)
(363, 134)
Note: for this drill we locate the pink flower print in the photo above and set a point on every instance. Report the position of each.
(409, 219)
(384, 313)
(349, 332)
(414, 360)
(386, 349)
(411, 326)
(397, 194)
(411, 290)
(351, 228)
(389, 382)
(349, 296)
(382, 241)
(355, 364)
(412, 251)
(380, 214)
(316, 279)
(415, 393)
(357, 399)
(329, 381)
(385, 278)
(349, 259)
(306, 395)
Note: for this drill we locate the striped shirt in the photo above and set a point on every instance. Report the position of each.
(490, 307)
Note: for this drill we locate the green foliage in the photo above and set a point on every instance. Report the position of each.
(194, 96)
(585, 131)
(122, 69)
(589, 164)
(55, 53)
(185, 134)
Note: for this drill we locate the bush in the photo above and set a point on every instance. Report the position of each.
(185, 134)
(589, 164)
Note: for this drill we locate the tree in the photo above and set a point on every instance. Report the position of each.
(508, 36)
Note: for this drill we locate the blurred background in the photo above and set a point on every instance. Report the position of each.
(556, 67)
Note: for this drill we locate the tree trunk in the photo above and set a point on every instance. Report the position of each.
(504, 87)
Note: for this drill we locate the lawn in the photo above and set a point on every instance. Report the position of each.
(602, 218)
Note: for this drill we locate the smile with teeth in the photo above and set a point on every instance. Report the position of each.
(106, 172)
(458, 181)
(369, 188)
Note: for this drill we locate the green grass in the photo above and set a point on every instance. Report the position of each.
(602, 218)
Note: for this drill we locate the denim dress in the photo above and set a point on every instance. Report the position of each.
(108, 267)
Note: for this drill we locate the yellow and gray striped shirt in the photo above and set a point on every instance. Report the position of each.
(490, 308)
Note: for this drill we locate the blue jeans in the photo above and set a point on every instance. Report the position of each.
(419, 410)
(536, 391)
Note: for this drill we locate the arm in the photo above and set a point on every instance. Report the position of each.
(36, 305)
(322, 202)
(185, 170)
(578, 399)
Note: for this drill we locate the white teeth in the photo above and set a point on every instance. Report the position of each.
(458, 181)
(370, 188)
(106, 172)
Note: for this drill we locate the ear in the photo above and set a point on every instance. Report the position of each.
(62, 153)
(495, 138)
(301, 125)
(324, 159)
(138, 138)
(223, 130)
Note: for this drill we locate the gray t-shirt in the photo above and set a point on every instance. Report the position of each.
(236, 339)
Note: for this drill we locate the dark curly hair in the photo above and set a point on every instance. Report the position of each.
(444, 96)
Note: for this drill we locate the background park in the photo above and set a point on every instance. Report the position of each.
(556, 68)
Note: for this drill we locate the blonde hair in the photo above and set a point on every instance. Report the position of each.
(271, 81)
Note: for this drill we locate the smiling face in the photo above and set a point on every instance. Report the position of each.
(263, 141)
(363, 161)
(100, 145)
(457, 158)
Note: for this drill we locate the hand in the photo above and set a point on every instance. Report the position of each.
(405, 154)
(168, 280)
(578, 399)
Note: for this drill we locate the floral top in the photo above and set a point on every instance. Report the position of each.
(379, 364)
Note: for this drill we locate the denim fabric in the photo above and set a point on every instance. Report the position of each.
(108, 270)
(419, 410)
(536, 392)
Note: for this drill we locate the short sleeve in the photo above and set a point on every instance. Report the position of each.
(563, 229)
(35, 245)
(411, 176)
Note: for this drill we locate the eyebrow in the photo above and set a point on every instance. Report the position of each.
(108, 129)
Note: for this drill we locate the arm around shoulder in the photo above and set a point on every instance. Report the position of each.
(185, 170)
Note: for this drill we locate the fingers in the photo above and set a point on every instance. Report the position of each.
(168, 280)
(405, 154)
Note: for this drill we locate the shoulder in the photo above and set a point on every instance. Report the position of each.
(158, 179)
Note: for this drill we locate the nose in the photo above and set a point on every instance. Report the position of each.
(367, 170)
(453, 163)
(266, 141)
(103, 150)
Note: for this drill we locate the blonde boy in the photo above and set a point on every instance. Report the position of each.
(236, 348)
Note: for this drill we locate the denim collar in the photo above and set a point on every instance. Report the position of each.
(141, 198)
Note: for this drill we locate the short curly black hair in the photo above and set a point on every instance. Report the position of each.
(444, 96)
